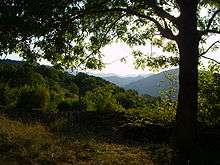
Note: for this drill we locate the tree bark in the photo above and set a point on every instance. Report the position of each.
(188, 43)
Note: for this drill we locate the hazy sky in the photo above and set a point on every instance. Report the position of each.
(112, 55)
(114, 52)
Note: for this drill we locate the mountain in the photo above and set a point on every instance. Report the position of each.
(122, 81)
(153, 84)
(8, 61)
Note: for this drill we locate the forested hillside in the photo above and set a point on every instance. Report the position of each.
(41, 106)
(43, 88)
(28, 87)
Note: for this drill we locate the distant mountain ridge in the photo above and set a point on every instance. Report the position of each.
(122, 81)
(153, 84)
(143, 84)
(8, 61)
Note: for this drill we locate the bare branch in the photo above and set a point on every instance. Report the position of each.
(116, 60)
(203, 53)
(211, 59)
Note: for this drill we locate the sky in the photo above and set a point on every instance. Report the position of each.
(114, 52)
(112, 59)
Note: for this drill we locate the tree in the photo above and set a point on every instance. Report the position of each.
(209, 94)
(102, 99)
(84, 26)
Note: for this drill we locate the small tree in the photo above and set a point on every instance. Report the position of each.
(209, 94)
(101, 99)
(33, 98)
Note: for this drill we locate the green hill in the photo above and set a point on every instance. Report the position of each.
(42, 87)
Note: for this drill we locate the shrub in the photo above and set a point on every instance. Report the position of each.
(68, 105)
(162, 113)
(31, 98)
(8, 96)
(4, 94)
(101, 99)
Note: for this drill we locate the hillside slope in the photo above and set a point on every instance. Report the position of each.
(153, 84)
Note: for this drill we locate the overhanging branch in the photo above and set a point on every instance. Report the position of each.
(212, 31)
(163, 14)
(159, 11)
(203, 53)
(211, 59)
(211, 19)
(164, 31)
(208, 30)
(100, 45)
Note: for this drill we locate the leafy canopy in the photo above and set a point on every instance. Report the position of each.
(71, 33)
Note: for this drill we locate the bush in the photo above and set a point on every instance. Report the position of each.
(101, 99)
(8, 96)
(68, 105)
(4, 94)
(31, 98)
(209, 95)
(162, 113)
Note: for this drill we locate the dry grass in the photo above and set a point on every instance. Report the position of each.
(34, 145)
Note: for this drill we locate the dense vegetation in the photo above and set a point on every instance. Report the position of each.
(43, 88)
(59, 105)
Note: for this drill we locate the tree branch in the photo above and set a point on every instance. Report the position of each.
(164, 31)
(208, 30)
(211, 19)
(212, 31)
(203, 53)
(159, 11)
(163, 14)
(100, 45)
(211, 59)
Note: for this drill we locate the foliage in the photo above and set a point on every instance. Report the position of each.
(162, 113)
(71, 33)
(87, 83)
(209, 94)
(33, 98)
(6, 95)
(128, 99)
(68, 105)
(101, 99)
(171, 91)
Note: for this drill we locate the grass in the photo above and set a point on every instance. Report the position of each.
(33, 144)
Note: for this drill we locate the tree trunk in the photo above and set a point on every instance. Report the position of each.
(188, 42)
